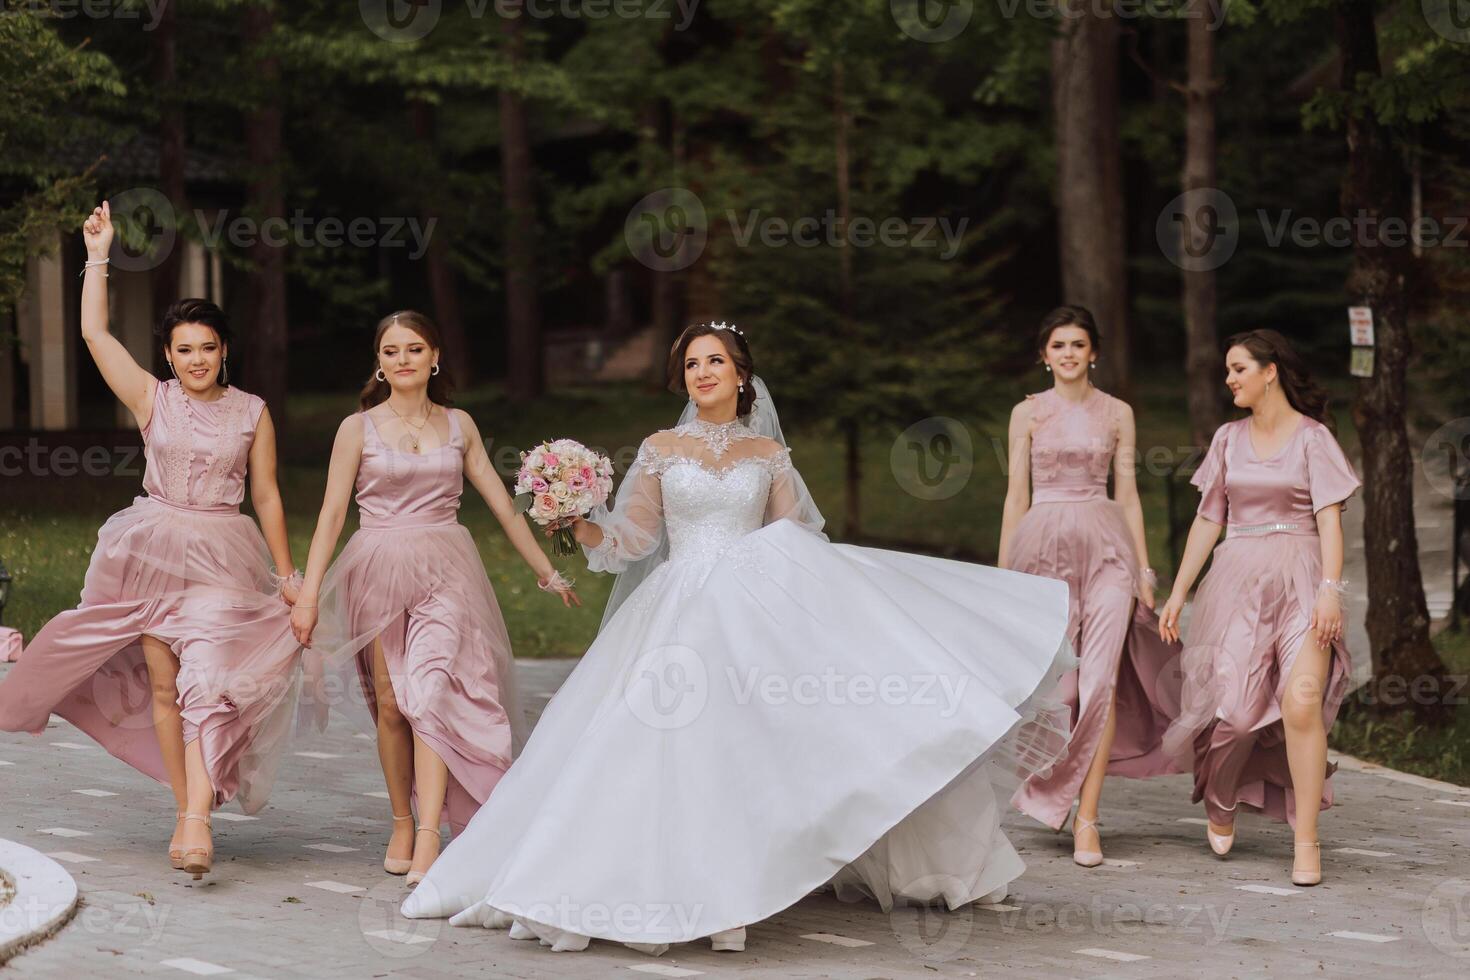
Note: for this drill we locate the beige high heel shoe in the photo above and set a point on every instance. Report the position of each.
(1307, 878)
(176, 854)
(398, 866)
(1087, 859)
(1220, 843)
(414, 877)
(199, 860)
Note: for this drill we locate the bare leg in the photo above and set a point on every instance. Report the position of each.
(431, 779)
(168, 726)
(1306, 744)
(1090, 795)
(200, 798)
(395, 753)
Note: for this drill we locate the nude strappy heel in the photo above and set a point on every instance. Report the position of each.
(1307, 878)
(414, 877)
(176, 854)
(398, 866)
(1087, 859)
(199, 860)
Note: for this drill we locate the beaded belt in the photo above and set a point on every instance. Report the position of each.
(1273, 528)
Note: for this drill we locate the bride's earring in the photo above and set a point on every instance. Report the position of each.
(380, 375)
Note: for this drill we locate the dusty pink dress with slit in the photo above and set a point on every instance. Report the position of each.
(412, 578)
(1075, 533)
(1251, 615)
(183, 565)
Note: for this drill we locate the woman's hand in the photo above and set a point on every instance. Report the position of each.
(1169, 618)
(553, 582)
(1146, 593)
(581, 530)
(1327, 618)
(291, 588)
(303, 623)
(97, 232)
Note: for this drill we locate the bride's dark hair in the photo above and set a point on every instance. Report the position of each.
(735, 346)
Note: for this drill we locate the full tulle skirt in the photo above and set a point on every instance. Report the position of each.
(791, 715)
(423, 593)
(1086, 543)
(1248, 624)
(199, 581)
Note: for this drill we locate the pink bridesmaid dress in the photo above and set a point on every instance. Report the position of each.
(183, 565)
(1251, 615)
(412, 578)
(1075, 533)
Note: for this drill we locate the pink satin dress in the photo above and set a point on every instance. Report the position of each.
(412, 578)
(183, 565)
(1075, 533)
(1251, 615)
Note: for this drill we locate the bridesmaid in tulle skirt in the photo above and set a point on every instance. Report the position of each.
(1265, 667)
(1059, 522)
(180, 659)
(408, 603)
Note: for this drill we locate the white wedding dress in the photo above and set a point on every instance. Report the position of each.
(767, 713)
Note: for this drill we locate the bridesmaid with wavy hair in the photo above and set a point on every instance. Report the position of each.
(1265, 668)
(180, 659)
(408, 601)
(1059, 522)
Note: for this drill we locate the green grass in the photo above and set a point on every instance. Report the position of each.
(1399, 742)
(48, 526)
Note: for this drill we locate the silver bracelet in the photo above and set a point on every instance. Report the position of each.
(1149, 576)
(1339, 586)
(556, 583)
(90, 263)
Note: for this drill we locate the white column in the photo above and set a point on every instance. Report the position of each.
(193, 271)
(52, 346)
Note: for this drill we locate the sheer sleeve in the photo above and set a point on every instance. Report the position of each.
(1210, 479)
(1330, 477)
(634, 527)
(789, 498)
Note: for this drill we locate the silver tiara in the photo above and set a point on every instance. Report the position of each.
(722, 325)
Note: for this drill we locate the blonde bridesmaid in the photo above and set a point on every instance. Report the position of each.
(180, 659)
(1059, 522)
(408, 601)
(1265, 667)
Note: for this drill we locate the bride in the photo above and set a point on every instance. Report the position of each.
(763, 713)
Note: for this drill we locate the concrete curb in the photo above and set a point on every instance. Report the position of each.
(45, 898)
(1354, 764)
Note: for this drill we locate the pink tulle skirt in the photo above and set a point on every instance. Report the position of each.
(1086, 543)
(423, 592)
(199, 581)
(1249, 621)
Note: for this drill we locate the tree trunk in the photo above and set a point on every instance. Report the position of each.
(265, 364)
(1202, 359)
(851, 427)
(1374, 186)
(443, 287)
(1089, 181)
(170, 150)
(524, 356)
(669, 295)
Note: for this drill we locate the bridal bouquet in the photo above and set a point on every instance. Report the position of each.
(560, 480)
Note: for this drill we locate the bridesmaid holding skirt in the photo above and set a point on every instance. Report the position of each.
(180, 659)
(1265, 667)
(1059, 522)
(408, 603)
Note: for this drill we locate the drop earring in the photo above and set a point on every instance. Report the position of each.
(224, 373)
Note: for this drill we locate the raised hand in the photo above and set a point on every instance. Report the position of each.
(97, 232)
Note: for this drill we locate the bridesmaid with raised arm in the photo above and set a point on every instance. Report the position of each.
(180, 659)
(1059, 522)
(1265, 668)
(408, 599)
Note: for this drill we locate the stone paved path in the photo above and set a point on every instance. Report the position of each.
(299, 891)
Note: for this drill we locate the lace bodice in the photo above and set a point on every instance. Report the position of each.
(197, 451)
(1072, 446)
(699, 487)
